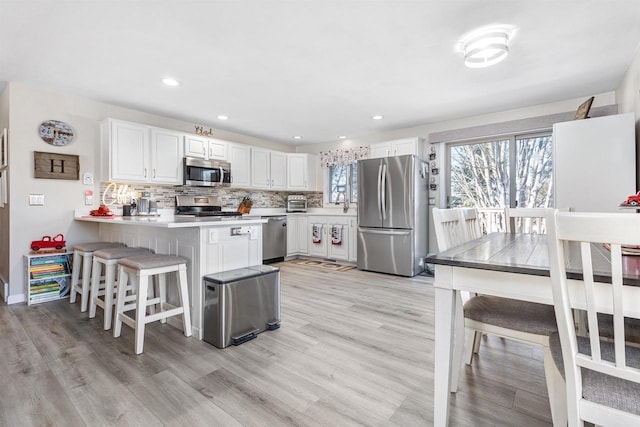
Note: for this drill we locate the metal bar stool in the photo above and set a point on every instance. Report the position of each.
(106, 260)
(82, 257)
(138, 270)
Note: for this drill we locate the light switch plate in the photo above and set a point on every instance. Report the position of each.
(36, 199)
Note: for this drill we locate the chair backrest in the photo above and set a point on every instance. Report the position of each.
(596, 241)
(471, 223)
(449, 227)
(526, 220)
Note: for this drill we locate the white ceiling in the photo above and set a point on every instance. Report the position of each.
(316, 68)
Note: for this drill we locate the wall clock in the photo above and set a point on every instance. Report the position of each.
(55, 132)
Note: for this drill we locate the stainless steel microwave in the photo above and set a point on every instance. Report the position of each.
(206, 173)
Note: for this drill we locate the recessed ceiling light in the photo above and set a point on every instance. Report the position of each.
(342, 137)
(377, 117)
(170, 81)
(222, 117)
(297, 137)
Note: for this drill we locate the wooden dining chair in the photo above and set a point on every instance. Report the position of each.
(602, 376)
(507, 318)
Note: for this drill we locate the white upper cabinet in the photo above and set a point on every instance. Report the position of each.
(133, 152)
(217, 149)
(278, 170)
(195, 146)
(398, 147)
(240, 160)
(125, 152)
(205, 148)
(268, 169)
(166, 156)
(301, 171)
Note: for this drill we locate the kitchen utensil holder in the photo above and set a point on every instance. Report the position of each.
(245, 207)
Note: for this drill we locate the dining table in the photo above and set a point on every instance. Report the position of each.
(509, 265)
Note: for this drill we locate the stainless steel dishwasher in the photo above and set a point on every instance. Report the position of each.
(274, 239)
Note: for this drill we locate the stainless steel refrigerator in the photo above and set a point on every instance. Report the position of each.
(393, 214)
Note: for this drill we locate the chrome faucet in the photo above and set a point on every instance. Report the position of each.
(345, 201)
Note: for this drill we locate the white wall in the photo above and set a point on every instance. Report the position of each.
(628, 96)
(28, 108)
(4, 211)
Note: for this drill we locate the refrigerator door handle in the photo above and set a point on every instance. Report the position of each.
(379, 182)
(385, 232)
(383, 205)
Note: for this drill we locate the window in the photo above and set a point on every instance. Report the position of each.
(342, 182)
(513, 171)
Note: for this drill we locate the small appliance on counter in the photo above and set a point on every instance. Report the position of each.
(296, 203)
(143, 205)
(202, 206)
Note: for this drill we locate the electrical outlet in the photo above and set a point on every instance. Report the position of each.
(36, 199)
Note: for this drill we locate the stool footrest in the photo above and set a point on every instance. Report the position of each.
(163, 314)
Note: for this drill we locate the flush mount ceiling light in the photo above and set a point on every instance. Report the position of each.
(377, 117)
(170, 81)
(342, 137)
(297, 137)
(223, 117)
(487, 46)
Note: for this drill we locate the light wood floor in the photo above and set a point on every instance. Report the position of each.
(355, 348)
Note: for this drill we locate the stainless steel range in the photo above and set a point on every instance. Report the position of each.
(202, 206)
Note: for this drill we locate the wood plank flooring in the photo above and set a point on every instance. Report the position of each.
(355, 349)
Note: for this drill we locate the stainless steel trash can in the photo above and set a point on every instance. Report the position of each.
(239, 304)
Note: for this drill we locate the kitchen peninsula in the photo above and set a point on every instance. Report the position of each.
(210, 245)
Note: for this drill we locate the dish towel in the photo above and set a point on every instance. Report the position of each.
(336, 234)
(316, 233)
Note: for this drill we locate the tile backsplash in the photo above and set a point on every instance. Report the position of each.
(230, 197)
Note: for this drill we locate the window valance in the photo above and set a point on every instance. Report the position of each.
(343, 156)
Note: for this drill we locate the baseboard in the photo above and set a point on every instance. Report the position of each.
(16, 299)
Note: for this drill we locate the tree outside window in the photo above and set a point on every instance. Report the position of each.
(343, 183)
(491, 175)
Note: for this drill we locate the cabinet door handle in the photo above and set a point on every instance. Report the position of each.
(210, 152)
(145, 172)
(204, 152)
(154, 172)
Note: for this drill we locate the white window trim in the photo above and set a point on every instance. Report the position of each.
(327, 190)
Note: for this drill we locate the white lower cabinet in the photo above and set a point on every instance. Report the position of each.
(297, 242)
(329, 237)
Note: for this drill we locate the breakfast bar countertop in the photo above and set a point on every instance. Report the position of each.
(172, 221)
